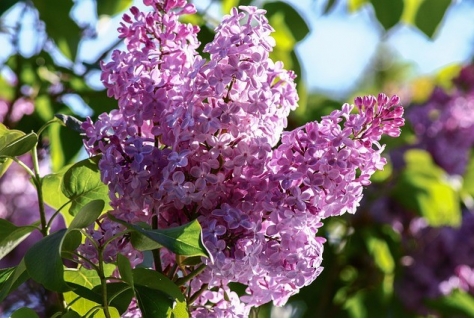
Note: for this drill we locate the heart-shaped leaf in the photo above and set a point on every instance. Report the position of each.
(11, 235)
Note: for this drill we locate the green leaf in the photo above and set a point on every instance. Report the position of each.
(6, 4)
(430, 14)
(294, 21)
(65, 32)
(114, 313)
(183, 240)
(6, 137)
(88, 214)
(329, 5)
(44, 264)
(457, 304)
(52, 194)
(82, 281)
(388, 12)
(125, 269)
(424, 188)
(24, 312)
(119, 295)
(19, 146)
(157, 281)
(11, 235)
(381, 254)
(82, 184)
(112, 7)
(70, 314)
(153, 303)
(11, 278)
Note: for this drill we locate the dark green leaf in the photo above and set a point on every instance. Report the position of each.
(119, 295)
(70, 314)
(112, 7)
(24, 312)
(65, 32)
(388, 12)
(71, 241)
(5, 5)
(183, 240)
(125, 269)
(19, 146)
(11, 278)
(292, 18)
(329, 5)
(88, 214)
(430, 14)
(44, 264)
(82, 184)
(153, 303)
(155, 280)
(11, 235)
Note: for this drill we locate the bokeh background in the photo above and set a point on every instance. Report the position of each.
(409, 249)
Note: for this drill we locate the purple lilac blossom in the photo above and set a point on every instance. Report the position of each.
(196, 139)
(445, 123)
(438, 261)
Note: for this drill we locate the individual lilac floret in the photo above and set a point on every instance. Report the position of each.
(195, 139)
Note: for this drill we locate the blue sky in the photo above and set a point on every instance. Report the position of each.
(339, 48)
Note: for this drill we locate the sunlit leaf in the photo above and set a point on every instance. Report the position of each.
(82, 184)
(11, 278)
(19, 146)
(423, 188)
(457, 304)
(112, 7)
(182, 240)
(11, 235)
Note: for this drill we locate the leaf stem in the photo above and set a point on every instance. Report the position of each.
(103, 283)
(181, 281)
(37, 180)
(56, 213)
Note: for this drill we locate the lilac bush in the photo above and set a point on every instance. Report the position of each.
(203, 139)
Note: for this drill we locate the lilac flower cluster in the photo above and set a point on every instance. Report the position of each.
(445, 123)
(196, 139)
(438, 261)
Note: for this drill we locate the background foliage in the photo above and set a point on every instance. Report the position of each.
(368, 255)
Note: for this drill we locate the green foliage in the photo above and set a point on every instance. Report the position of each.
(159, 286)
(81, 183)
(7, 138)
(43, 262)
(388, 12)
(11, 278)
(64, 32)
(457, 304)
(112, 7)
(423, 188)
(430, 14)
(11, 235)
(24, 312)
(183, 240)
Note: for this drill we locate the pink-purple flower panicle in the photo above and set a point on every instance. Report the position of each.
(197, 139)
